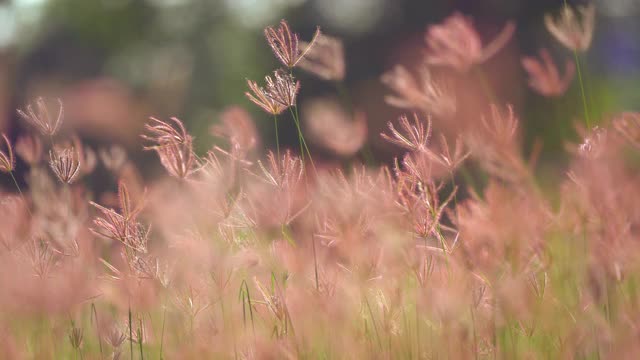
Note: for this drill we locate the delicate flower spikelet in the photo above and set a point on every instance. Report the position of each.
(436, 163)
(283, 173)
(263, 99)
(415, 137)
(174, 146)
(594, 144)
(122, 227)
(279, 183)
(7, 159)
(325, 59)
(425, 94)
(457, 44)
(628, 125)
(283, 88)
(334, 128)
(114, 157)
(238, 128)
(495, 144)
(65, 164)
(161, 132)
(285, 44)
(573, 29)
(41, 120)
(76, 337)
(278, 95)
(29, 148)
(500, 128)
(544, 77)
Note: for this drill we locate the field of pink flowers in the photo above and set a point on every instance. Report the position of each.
(455, 250)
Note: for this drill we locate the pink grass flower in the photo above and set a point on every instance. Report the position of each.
(7, 159)
(65, 164)
(544, 76)
(41, 119)
(574, 28)
(285, 44)
(457, 44)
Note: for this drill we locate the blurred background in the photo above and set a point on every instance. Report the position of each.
(116, 62)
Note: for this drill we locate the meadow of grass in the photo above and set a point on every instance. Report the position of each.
(455, 250)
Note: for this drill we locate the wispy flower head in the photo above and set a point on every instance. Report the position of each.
(285, 44)
(65, 164)
(325, 59)
(275, 198)
(428, 164)
(282, 173)
(7, 159)
(122, 226)
(173, 145)
(457, 44)
(420, 200)
(574, 28)
(332, 127)
(113, 157)
(41, 119)
(76, 337)
(42, 257)
(544, 76)
(262, 97)
(594, 144)
(278, 94)
(238, 128)
(415, 136)
(29, 148)
(500, 126)
(628, 125)
(115, 336)
(425, 94)
(495, 144)
(283, 88)
(177, 158)
(161, 132)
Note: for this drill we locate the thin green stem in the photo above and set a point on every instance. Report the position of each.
(584, 97)
(295, 120)
(275, 123)
(164, 313)
(373, 322)
(130, 333)
(15, 182)
(315, 260)
(303, 143)
(582, 91)
(140, 339)
(95, 314)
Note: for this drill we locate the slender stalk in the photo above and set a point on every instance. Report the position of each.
(20, 192)
(303, 143)
(475, 336)
(95, 314)
(275, 123)
(245, 296)
(373, 322)
(130, 333)
(582, 91)
(140, 340)
(164, 313)
(295, 119)
(315, 260)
